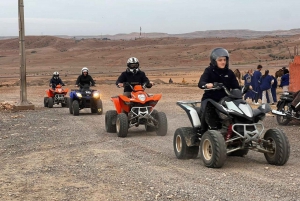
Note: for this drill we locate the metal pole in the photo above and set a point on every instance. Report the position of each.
(23, 88)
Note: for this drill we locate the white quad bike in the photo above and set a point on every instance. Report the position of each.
(240, 130)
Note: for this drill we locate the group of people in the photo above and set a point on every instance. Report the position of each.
(264, 85)
(133, 74)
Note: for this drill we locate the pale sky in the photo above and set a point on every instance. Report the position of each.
(96, 17)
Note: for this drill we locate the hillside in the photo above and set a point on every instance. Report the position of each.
(46, 53)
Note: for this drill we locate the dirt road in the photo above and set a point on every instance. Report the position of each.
(48, 154)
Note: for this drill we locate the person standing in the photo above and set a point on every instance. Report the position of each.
(247, 82)
(256, 84)
(265, 86)
(285, 80)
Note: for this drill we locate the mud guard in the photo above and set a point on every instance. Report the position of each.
(192, 114)
(155, 97)
(49, 93)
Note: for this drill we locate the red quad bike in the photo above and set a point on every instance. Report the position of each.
(135, 111)
(56, 96)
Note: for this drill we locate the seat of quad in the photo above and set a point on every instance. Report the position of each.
(257, 112)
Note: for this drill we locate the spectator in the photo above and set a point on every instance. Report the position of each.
(285, 80)
(265, 86)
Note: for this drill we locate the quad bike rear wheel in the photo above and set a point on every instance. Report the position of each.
(50, 102)
(279, 145)
(71, 106)
(162, 124)
(45, 101)
(122, 125)
(110, 121)
(213, 149)
(151, 128)
(182, 151)
(75, 106)
(283, 120)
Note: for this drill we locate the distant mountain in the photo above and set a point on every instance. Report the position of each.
(239, 33)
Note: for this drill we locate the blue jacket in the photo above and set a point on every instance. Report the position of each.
(285, 80)
(265, 82)
(214, 74)
(256, 78)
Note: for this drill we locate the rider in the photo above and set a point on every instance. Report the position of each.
(55, 80)
(85, 78)
(218, 71)
(133, 75)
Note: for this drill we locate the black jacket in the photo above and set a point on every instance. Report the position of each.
(55, 82)
(133, 79)
(82, 80)
(214, 74)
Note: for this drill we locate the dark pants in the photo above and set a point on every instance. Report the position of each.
(208, 116)
(128, 94)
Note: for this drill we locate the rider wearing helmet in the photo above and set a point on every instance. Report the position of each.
(133, 75)
(85, 78)
(55, 80)
(218, 71)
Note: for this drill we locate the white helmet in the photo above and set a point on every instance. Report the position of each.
(84, 69)
(55, 75)
(133, 68)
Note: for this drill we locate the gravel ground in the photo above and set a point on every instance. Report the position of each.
(48, 154)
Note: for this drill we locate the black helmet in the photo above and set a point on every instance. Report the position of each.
(219, 52)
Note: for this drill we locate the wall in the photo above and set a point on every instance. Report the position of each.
(294, 69)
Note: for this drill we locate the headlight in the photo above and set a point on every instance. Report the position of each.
(78, 95)
(96, 95)
(142, 97)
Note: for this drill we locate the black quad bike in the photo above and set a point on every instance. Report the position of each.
(239, 131)
(85, 98)
(285, 112)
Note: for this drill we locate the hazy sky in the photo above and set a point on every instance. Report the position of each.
(96, 17)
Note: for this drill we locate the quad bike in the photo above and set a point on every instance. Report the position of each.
(285, 112)
(239, 131)
(85, 98)
(135, 111)
(56, 96)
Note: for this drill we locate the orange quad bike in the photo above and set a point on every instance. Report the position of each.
(56, 96)
(134, 111)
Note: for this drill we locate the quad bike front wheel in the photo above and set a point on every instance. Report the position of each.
(182, 151)
(162, 124)
(122, 125)
(66, 103)
(97, 107)
(50, 102)
(110, 121)
(71, 106)
(45, 101)
(283, 120)
(75, 106)
(279, 145)
(213, 149)
(151, 128)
